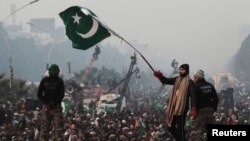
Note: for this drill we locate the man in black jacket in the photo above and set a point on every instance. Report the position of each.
(207, 102)
(178, 103)
(51, 93)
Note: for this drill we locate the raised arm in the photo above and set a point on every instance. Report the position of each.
(163, 79)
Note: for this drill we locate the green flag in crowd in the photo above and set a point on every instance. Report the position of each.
(159, 106)
(142, 128)
(66, 105)
(188, 123)
(82, 27)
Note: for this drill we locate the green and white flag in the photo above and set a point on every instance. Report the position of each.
(83, 27)
(66, 105)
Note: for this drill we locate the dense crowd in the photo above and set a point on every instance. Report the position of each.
(142, 119)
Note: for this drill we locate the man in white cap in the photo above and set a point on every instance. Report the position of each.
(207, 102)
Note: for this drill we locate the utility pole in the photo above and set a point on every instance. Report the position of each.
(7, 42)
(10, 57)
(12, 13)
(90, 65)
(125, 85)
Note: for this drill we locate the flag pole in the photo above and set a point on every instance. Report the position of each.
(117, 35)
(139, 53)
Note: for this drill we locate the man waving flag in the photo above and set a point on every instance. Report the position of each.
(82, 27)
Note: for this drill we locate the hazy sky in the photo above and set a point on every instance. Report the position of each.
(203, 33)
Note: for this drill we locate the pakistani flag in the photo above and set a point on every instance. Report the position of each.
(66, 105)
(82, 27)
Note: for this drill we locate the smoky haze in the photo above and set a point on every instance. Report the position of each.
(239, 65)
(204, 33)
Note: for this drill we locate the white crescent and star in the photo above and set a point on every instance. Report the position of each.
(92, 30)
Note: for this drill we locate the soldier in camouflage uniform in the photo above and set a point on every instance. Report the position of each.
(51, 93)
(207, 102)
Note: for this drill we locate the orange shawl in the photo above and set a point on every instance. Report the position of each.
(177, 99)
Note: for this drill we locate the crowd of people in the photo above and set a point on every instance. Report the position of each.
(143, 118)
(19, 124)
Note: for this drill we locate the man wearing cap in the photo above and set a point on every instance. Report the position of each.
(51, 93)
(207, 102)
(178, 103)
